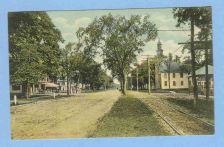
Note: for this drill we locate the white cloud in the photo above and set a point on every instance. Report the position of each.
(69, 28)
(82, 22)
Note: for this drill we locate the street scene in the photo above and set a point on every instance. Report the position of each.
(111, 73)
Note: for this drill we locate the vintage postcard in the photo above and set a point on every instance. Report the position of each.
(111, 73)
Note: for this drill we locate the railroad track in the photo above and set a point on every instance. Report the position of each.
(182, 123)
(194, 117)
(168, 122)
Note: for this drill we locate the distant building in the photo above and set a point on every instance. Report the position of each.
(159, 51)
(201, 80)
(169, 76)
(44, 86)
(172, 77)
(73, 87)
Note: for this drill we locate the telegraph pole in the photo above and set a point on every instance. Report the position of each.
(149, 86)
(193, 64)
(206, 69)
(137, 76)
(149, 73)
(206, 48)
(131, 82)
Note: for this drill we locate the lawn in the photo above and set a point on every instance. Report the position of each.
(129, 117)
(205, 108)
(21, 101)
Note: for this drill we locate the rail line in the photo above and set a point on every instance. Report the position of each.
(194, 117)
(181, 122)
(168, 122)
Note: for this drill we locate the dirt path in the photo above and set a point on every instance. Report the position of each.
(63, 118)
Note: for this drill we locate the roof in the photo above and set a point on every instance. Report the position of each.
(51, 85)
(174, 67)
(201, 71)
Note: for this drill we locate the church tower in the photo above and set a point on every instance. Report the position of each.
(159, 50)
(159, 53)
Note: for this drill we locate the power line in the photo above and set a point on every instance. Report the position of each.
(172, 30)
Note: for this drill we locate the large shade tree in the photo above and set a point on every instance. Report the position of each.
(120, 40)
(70, 61)
(194, 17)
(33, 47)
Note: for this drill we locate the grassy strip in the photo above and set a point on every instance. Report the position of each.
(129, 117)
(205, 109)
(22, 101)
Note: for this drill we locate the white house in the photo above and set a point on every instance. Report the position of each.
(201, 80)
(169, 76)
(173, 77)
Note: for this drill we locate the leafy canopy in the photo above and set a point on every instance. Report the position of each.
(33, 46)
(118, 39)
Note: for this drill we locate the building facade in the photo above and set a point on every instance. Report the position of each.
(170, 75)
(176, 81)
(201, 80)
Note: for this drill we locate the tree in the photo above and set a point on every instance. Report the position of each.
(193, 17)
(120, 40)
(71, 59)
(143, 75)
(33, 47)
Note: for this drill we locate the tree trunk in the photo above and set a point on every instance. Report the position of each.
(124, 90)
(121, 86)
(206, 70)
(137, 77)
(169, 73)
(28, 92)
(68, 84)
(195, 87)
(149, 85)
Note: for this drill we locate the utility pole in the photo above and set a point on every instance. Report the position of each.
(206, 69)
(205, 47)
(149, 86)
(131, 82)
(193, 64)
(149, 73)
(137, 76)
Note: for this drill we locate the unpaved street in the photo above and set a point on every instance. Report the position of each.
(62, 118)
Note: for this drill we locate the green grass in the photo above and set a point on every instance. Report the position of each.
(22, 101)
(205, 108)
(129, 117)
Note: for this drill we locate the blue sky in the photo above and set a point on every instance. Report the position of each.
(68, 23)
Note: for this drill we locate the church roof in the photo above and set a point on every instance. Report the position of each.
(174, 67)
(201, 71)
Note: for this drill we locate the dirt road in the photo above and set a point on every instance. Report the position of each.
(62, 118)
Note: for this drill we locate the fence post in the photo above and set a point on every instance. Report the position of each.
(15, 99)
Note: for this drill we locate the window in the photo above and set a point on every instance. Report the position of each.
(181, 75)
(16, 87)
(190, 83)
(165, 83)
(182, 83)
(165, 75)
(174, 83)
(212, 85)
(174, 75)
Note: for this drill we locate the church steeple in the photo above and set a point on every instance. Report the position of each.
(159, 49)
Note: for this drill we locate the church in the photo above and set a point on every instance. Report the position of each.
(169, 75)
